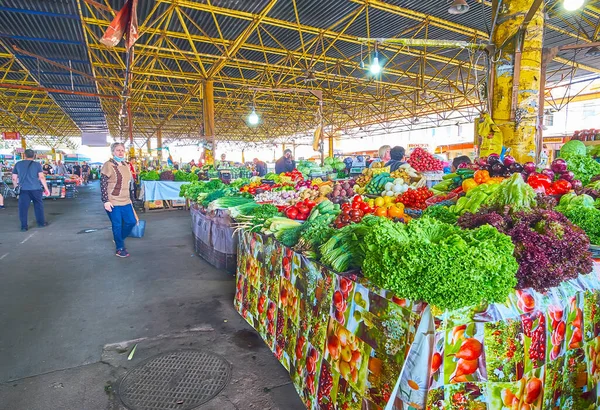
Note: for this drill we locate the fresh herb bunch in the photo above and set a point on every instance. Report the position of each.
(548, 247)
(260, 215)
(315, 233)
(439, 263)
(441, 213)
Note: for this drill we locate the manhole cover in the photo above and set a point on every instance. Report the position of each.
(180, 380)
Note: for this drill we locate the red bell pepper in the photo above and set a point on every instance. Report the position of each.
(561, 187)
(539, 182)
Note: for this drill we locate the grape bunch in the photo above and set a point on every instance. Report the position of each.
(280, 323)
(537, 350)
(325, 385)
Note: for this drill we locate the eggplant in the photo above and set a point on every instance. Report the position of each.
(515, 167)
(497, 169)
(493, 159)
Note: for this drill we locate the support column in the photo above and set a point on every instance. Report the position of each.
(208, 104)
(330, 138)
(23, 144)
(159, 144)
(149, 145)
(517, 74)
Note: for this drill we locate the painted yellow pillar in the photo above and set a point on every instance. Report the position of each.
(517, 73)
(159, 143)
(208, 104)
(330, 138)
(23, 143)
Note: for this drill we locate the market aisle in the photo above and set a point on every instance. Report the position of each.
(64, 296)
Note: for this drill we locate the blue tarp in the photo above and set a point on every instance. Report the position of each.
(165, 190)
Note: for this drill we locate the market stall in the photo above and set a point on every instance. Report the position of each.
(214, 238)
(479, 292)
(349, 344)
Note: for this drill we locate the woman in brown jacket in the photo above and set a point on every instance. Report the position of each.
(115, 178)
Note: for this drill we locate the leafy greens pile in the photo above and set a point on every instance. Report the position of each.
(548, 247)
(584, 167)
(439, 263)
(581, 210)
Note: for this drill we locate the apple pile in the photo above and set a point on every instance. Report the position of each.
(344, 350)
(530, 392)
(340, 297)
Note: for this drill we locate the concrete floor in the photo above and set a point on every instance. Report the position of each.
(69, 307)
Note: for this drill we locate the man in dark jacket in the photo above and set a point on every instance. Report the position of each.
(260, 166)
(285, 163)
(398, 158)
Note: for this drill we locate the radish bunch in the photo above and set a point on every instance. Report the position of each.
(421, 161)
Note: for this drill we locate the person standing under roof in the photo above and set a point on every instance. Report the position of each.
(285, 163)
(384, 155)
(85, 172)
(77, 169)
(60, 169)
(398, 156)
(47, 168)
(261, 167)
(115, 179)
(29, 175)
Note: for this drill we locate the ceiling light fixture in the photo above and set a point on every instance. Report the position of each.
(375, 65)
(253, 118)
(572, 5)
(458, 7)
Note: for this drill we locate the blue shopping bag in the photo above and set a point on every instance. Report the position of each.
(138, 230)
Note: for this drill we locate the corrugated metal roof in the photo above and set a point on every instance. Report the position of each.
(53, 29)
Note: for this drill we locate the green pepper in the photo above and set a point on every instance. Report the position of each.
(460, 204)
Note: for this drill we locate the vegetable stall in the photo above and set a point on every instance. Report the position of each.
(480, 292)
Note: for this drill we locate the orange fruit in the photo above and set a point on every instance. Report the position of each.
(381, 211)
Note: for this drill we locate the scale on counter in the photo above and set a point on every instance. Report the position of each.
(358, 165)
(225, 176)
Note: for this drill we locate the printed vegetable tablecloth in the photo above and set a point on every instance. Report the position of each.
(350, 345)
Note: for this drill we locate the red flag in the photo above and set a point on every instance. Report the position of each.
(124, 21)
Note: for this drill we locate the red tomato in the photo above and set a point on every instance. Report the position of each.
(358, 199)
(302, 209)
(302, 216)
(291, 213)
